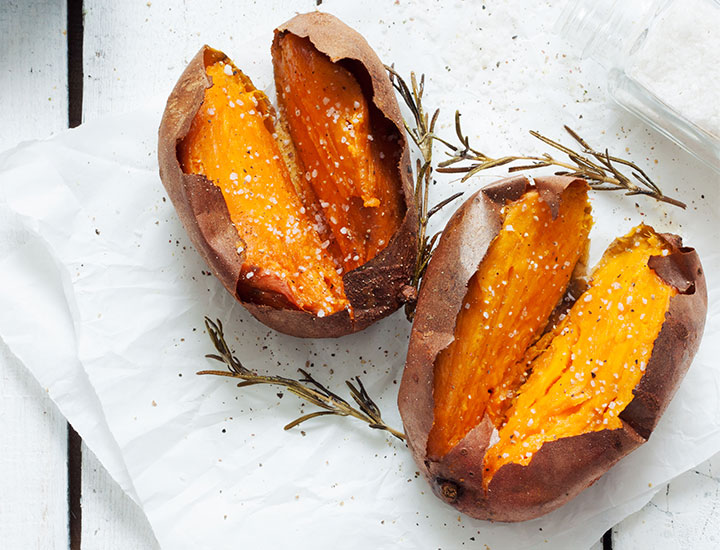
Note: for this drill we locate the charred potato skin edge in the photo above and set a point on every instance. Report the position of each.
(373, 289)
(560, 469)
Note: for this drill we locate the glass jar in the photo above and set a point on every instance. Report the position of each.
(662, 59)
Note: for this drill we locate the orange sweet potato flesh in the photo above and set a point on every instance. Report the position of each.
(520, 281)
(305, 212)
(588, 366)
(328, 118)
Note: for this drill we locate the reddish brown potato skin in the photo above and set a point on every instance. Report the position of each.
(374, 289)
(561, 469)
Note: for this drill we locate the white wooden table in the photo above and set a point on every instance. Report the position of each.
(118, 36)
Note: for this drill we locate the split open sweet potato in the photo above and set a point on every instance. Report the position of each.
(306, 214)
(516, 393)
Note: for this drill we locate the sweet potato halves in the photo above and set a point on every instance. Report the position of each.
(518, 394)
(306, 214)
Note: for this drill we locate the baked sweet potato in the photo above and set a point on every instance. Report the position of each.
(305, 214)
(516, 396)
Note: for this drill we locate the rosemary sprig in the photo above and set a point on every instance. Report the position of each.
(422, 132)
(306, 388)
(601, 170)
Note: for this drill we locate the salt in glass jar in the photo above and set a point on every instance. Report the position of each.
(662, 59)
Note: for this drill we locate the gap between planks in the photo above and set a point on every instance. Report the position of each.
(75, 97)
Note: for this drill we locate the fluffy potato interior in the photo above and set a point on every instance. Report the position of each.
(586, 368)
(312, 196)
(518, 284)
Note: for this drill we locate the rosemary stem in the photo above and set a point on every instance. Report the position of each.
(306, 388)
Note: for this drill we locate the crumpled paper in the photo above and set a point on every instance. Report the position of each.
(103, 299)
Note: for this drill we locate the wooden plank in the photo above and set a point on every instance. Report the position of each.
(110, 518)
(122, 70)
(33, 472)
(683, 515)
(33, 70)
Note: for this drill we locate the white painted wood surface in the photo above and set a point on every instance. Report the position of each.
(110, 518)
(33, 435)
(124, 61)
(684, 515)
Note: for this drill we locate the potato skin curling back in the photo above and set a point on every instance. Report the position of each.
(559, 469)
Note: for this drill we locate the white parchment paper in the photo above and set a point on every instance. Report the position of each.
(103, 297)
